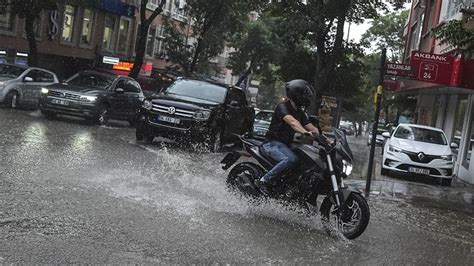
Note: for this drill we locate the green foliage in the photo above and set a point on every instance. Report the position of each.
(214, 23)
(387, 32)
(458, 33)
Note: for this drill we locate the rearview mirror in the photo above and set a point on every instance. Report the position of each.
(386, 135)
(28, 79)
(454, 145)
(119, 90)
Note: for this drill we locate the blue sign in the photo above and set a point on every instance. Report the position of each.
(113, 6)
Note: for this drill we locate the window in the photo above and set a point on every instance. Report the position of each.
(153, 4)
(197, 91)
(459, 121)
(124, 31)
(108, 42)
(95, 80)
(150, 42)
(68, 23)
(160, 50)
(87, 24)
(431, 14)
(40, 76)
(6, 19)
(129, 85)
(11, 71)
(420, 134)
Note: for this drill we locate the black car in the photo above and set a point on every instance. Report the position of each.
(198, 111)
(94, 95)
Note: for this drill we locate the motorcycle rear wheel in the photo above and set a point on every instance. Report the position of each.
(243, 177)
(352, 222)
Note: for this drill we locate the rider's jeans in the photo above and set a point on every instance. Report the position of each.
(279, 152)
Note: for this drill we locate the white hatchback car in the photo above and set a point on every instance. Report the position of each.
(419, 150)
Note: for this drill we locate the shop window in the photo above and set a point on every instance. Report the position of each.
(470, 142)
(68, 23)
(459, 122)
(109, 30)
(87, 24)
(6, 20)
(124, 32)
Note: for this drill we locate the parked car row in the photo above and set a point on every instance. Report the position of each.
(188, 109)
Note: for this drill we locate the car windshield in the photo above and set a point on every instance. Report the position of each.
(198, 90)
(11, 71)
(265, 116)
(94, 80)
(420, 134)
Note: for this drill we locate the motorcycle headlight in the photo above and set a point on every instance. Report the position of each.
(346, 167)
(147, 104)
(44, 90)
(394, 149)
(447, 157)
(202, 115)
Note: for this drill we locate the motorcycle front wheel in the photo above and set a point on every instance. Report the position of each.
(351, 220)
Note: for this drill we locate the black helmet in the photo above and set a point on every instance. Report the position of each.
(300, 92)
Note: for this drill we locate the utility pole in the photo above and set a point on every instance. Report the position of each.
(378, 99)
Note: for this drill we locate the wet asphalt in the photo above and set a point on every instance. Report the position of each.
(74, 192)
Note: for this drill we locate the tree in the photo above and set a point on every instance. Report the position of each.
(255, 49)
(459, 33)
(387, 32)
(319, 25)
(213, 24)
(142, 35)
(29, 10)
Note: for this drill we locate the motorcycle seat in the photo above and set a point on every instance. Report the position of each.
(255, 142)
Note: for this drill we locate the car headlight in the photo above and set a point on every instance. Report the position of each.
(44, 90)
(394, 149)
(202, 115)
(147, 104)
(346, 167)
(89, 98)
(447, 157)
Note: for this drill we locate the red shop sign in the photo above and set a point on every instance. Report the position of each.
(441, 69)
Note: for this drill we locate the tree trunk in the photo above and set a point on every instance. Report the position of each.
(139, 50)
(31, 37)
(197, 51)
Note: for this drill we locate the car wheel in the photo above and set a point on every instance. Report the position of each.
(446, 182)
(12, 99)
(132, 123)
(104, 111)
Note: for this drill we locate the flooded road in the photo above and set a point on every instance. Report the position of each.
(71, 192)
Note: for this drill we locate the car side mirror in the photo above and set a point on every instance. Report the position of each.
(386, 135)
(234, 104)
(119, 90)
(28, 79)
(454, 145)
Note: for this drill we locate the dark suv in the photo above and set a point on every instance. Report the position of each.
(94, 95)
(198, 111)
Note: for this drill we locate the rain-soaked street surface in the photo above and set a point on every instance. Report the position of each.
(72, 192)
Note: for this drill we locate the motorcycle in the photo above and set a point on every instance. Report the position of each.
(320, 171)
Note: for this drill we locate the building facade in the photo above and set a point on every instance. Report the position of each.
(450, 108)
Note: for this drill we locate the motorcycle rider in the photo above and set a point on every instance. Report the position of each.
(289, 118)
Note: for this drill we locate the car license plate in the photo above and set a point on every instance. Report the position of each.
(419, 171)
(60, 102)
(168, 119)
